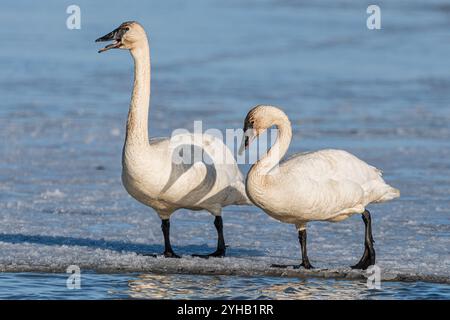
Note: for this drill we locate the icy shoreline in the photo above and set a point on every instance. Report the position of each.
(226, 266)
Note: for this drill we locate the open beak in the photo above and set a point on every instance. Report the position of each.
(249, 136)
(115, 36)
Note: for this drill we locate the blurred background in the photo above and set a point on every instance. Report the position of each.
(383, 95)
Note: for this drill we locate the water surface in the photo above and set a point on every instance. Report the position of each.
(147, 286)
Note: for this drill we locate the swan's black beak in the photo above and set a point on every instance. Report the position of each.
(116, 36)
(244, 145)
(246, 140)
(249, 135)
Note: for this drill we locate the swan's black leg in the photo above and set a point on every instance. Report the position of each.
(368, 258)
(220, 251)
(302, 240)
(168, 252)
(305, 260)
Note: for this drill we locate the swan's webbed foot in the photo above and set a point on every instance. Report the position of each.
(294, 266)
(219, 253)
(368, 258)
(305, 264)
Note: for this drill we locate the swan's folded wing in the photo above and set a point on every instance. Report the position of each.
(332, 164)
(202, 165)
(342, 167)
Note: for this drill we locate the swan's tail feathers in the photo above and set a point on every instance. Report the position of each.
(376, 191)
(390, 194)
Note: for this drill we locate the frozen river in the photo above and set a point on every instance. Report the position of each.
(383, 95)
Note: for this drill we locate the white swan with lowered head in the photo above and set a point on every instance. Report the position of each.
(325, 185)
(156, 172)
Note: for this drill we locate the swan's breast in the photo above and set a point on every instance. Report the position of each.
(135, 186)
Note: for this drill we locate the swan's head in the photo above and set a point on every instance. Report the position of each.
(258, 120)
(128, 35)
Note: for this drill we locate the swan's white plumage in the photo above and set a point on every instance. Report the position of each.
(148, 171)
(327, 185)
(147, 174)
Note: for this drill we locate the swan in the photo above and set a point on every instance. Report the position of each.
(150, 173)
(324, 185)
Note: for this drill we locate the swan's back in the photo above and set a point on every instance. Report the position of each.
(330, 164)
(341, 167)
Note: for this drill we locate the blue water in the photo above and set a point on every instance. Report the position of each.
(147, 286)
(383, 95)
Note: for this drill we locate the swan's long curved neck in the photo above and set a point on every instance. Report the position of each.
(137, 123)
(268, 163)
